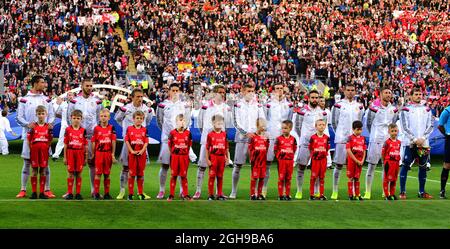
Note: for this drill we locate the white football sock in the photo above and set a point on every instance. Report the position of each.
(336, 175)
(162, 178)
(25, 173)
(235, 179)
(369, 177)
(300, 177)
(200, 175)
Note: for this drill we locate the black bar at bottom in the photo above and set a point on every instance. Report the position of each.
(231, 238)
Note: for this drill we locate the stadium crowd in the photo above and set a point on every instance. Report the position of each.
(369, 43)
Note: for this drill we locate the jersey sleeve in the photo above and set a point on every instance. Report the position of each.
(226, 141)
(30, 135)
(251, 145)
(94, 136)
(294, 144)
(190, 139)
(328, 144)
(66, 135)
(50, 134)
(385, 149)
(127, 135)
(208, 142)
(443, 119)
(85, 141)
(275, 146)
(113, 133)
(20, 117)
(146, 140)
(170, 140)
(311, 144)
(349, 143)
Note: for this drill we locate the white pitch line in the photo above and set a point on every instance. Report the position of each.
(413, 177)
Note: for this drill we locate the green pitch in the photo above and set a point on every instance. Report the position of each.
(240, 213)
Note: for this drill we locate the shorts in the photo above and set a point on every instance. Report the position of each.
(285, 168)
(303, 155)
(241, 153)
(447, 149)
(164, 154)
(179, 165)
(374, 153)
(103, 162)
(340, 154)
(353, 170)
(136, 164)
(258, 172)
(75, 160)
(39, 155)
(318, 168)
(270, 152)
(202, 158)
(217, 165)
(391, 169)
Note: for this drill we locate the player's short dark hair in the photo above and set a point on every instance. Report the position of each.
(357, 124)
(4, 113)
(247, 85)
(313, 91)
(41, 108)
(35, 79)
(217, 87)
(416, 89)
(136, 90)
(288, 123)
(174, 85)
(392, 126)
(277, 83)
(138, 113)
(217, 117)
(76, 113)
(349, 85)
(385, 88)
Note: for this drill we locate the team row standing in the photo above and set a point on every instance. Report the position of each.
(244, 115)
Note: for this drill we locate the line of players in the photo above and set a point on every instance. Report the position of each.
(415, 119)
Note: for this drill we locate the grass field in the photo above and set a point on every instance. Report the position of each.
(240, 213)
